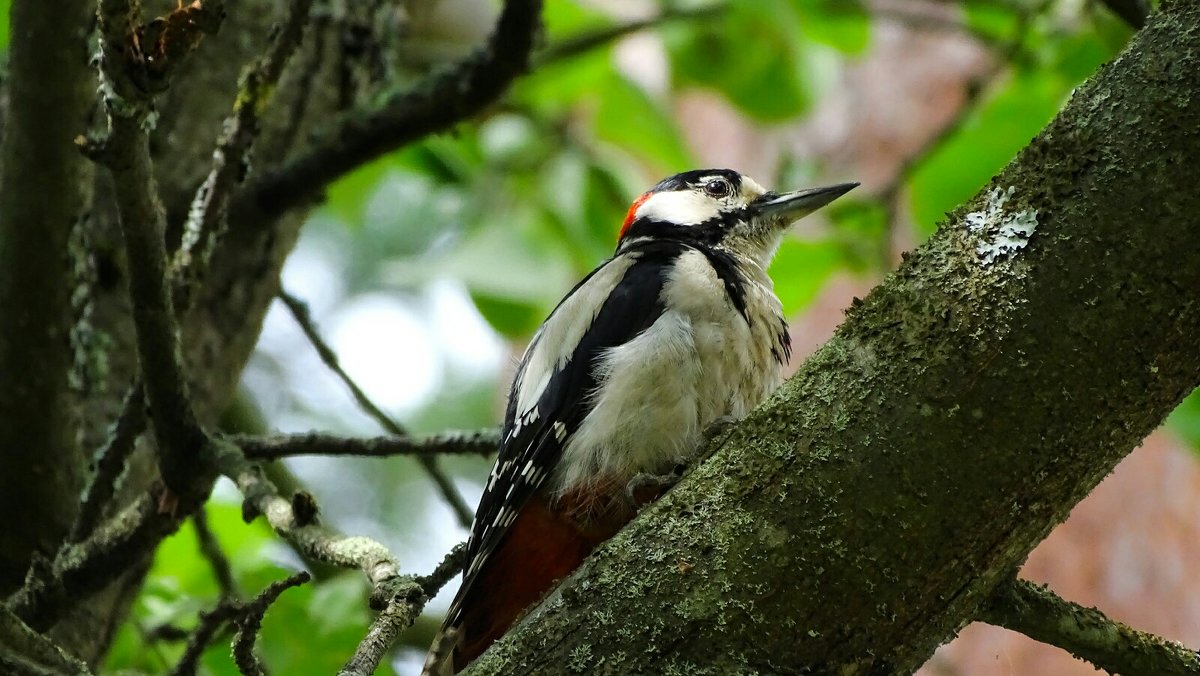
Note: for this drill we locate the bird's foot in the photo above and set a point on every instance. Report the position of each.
(645, 488)
(717, 428)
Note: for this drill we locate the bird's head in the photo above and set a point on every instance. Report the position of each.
(721, 208)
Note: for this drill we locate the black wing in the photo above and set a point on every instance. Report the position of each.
(619, 305)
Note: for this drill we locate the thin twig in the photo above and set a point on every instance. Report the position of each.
(574, 46)
(299, 311)
(1087, 633)
(479, 442)
(399, 598)
(212, 552)
(400, 613)
(450, 566)
(365, 133)
(109, 462)
(975, 88)
(208, 627)
(302, 530)
(388, 624)
(251, 622)
(206, 218)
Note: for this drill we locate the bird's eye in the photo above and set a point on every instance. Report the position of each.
(718, 188)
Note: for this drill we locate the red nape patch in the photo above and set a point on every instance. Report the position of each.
(632, 214)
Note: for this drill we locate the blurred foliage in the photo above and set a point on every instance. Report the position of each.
(298, 629)
(518, 206)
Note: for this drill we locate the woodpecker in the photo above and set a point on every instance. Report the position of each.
(679, 329)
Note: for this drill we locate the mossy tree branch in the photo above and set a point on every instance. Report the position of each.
(1085, 632)
(865, 512)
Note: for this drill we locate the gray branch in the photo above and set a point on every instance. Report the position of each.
(1132, 12)
(231, 158)
(1085, 632)
(109, 462)
(126, 73)
(250, 623)
(25, 652)
(299, 312)
(447, 98)
(275, 447)
(400, 614)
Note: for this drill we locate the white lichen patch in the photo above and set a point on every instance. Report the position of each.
(1001, 232)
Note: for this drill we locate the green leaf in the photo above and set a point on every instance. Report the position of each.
(859, 228)
(510, 318)
(628, 117)
(1185, 420)
(800, 269)
(990, 19)
(988, 139)
(346, 199)
(841, 24)
(5, 8)
(753, 56)
(566, 18)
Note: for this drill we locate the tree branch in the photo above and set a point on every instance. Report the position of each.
(24, 651)
(209, 624)
(109, 462)
(211, 550)
(446, 99)
(125, 72)
(400, 614)
(399, 598)
(81, 569)
(299, 312)
(231, 158)
(296, 521)
(585, 42)
(1087, 633)
(250, 623)
(44, 189)
(872, 505)
(479, 442)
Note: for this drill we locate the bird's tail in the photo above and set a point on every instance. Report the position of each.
(440, 660)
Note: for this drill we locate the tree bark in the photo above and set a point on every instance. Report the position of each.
(43, 192)
(67, 392)
(863, 515)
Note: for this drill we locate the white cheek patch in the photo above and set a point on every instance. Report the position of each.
(682, 207)
(751, 190)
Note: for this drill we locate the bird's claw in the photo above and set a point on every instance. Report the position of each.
(718, 427)
(645, 488)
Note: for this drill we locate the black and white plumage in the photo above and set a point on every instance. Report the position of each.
(679, 328)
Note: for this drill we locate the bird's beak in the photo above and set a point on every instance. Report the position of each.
(792, 206)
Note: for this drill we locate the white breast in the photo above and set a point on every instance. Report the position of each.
(698, 362)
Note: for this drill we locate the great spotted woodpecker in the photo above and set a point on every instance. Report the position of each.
(680, 328)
